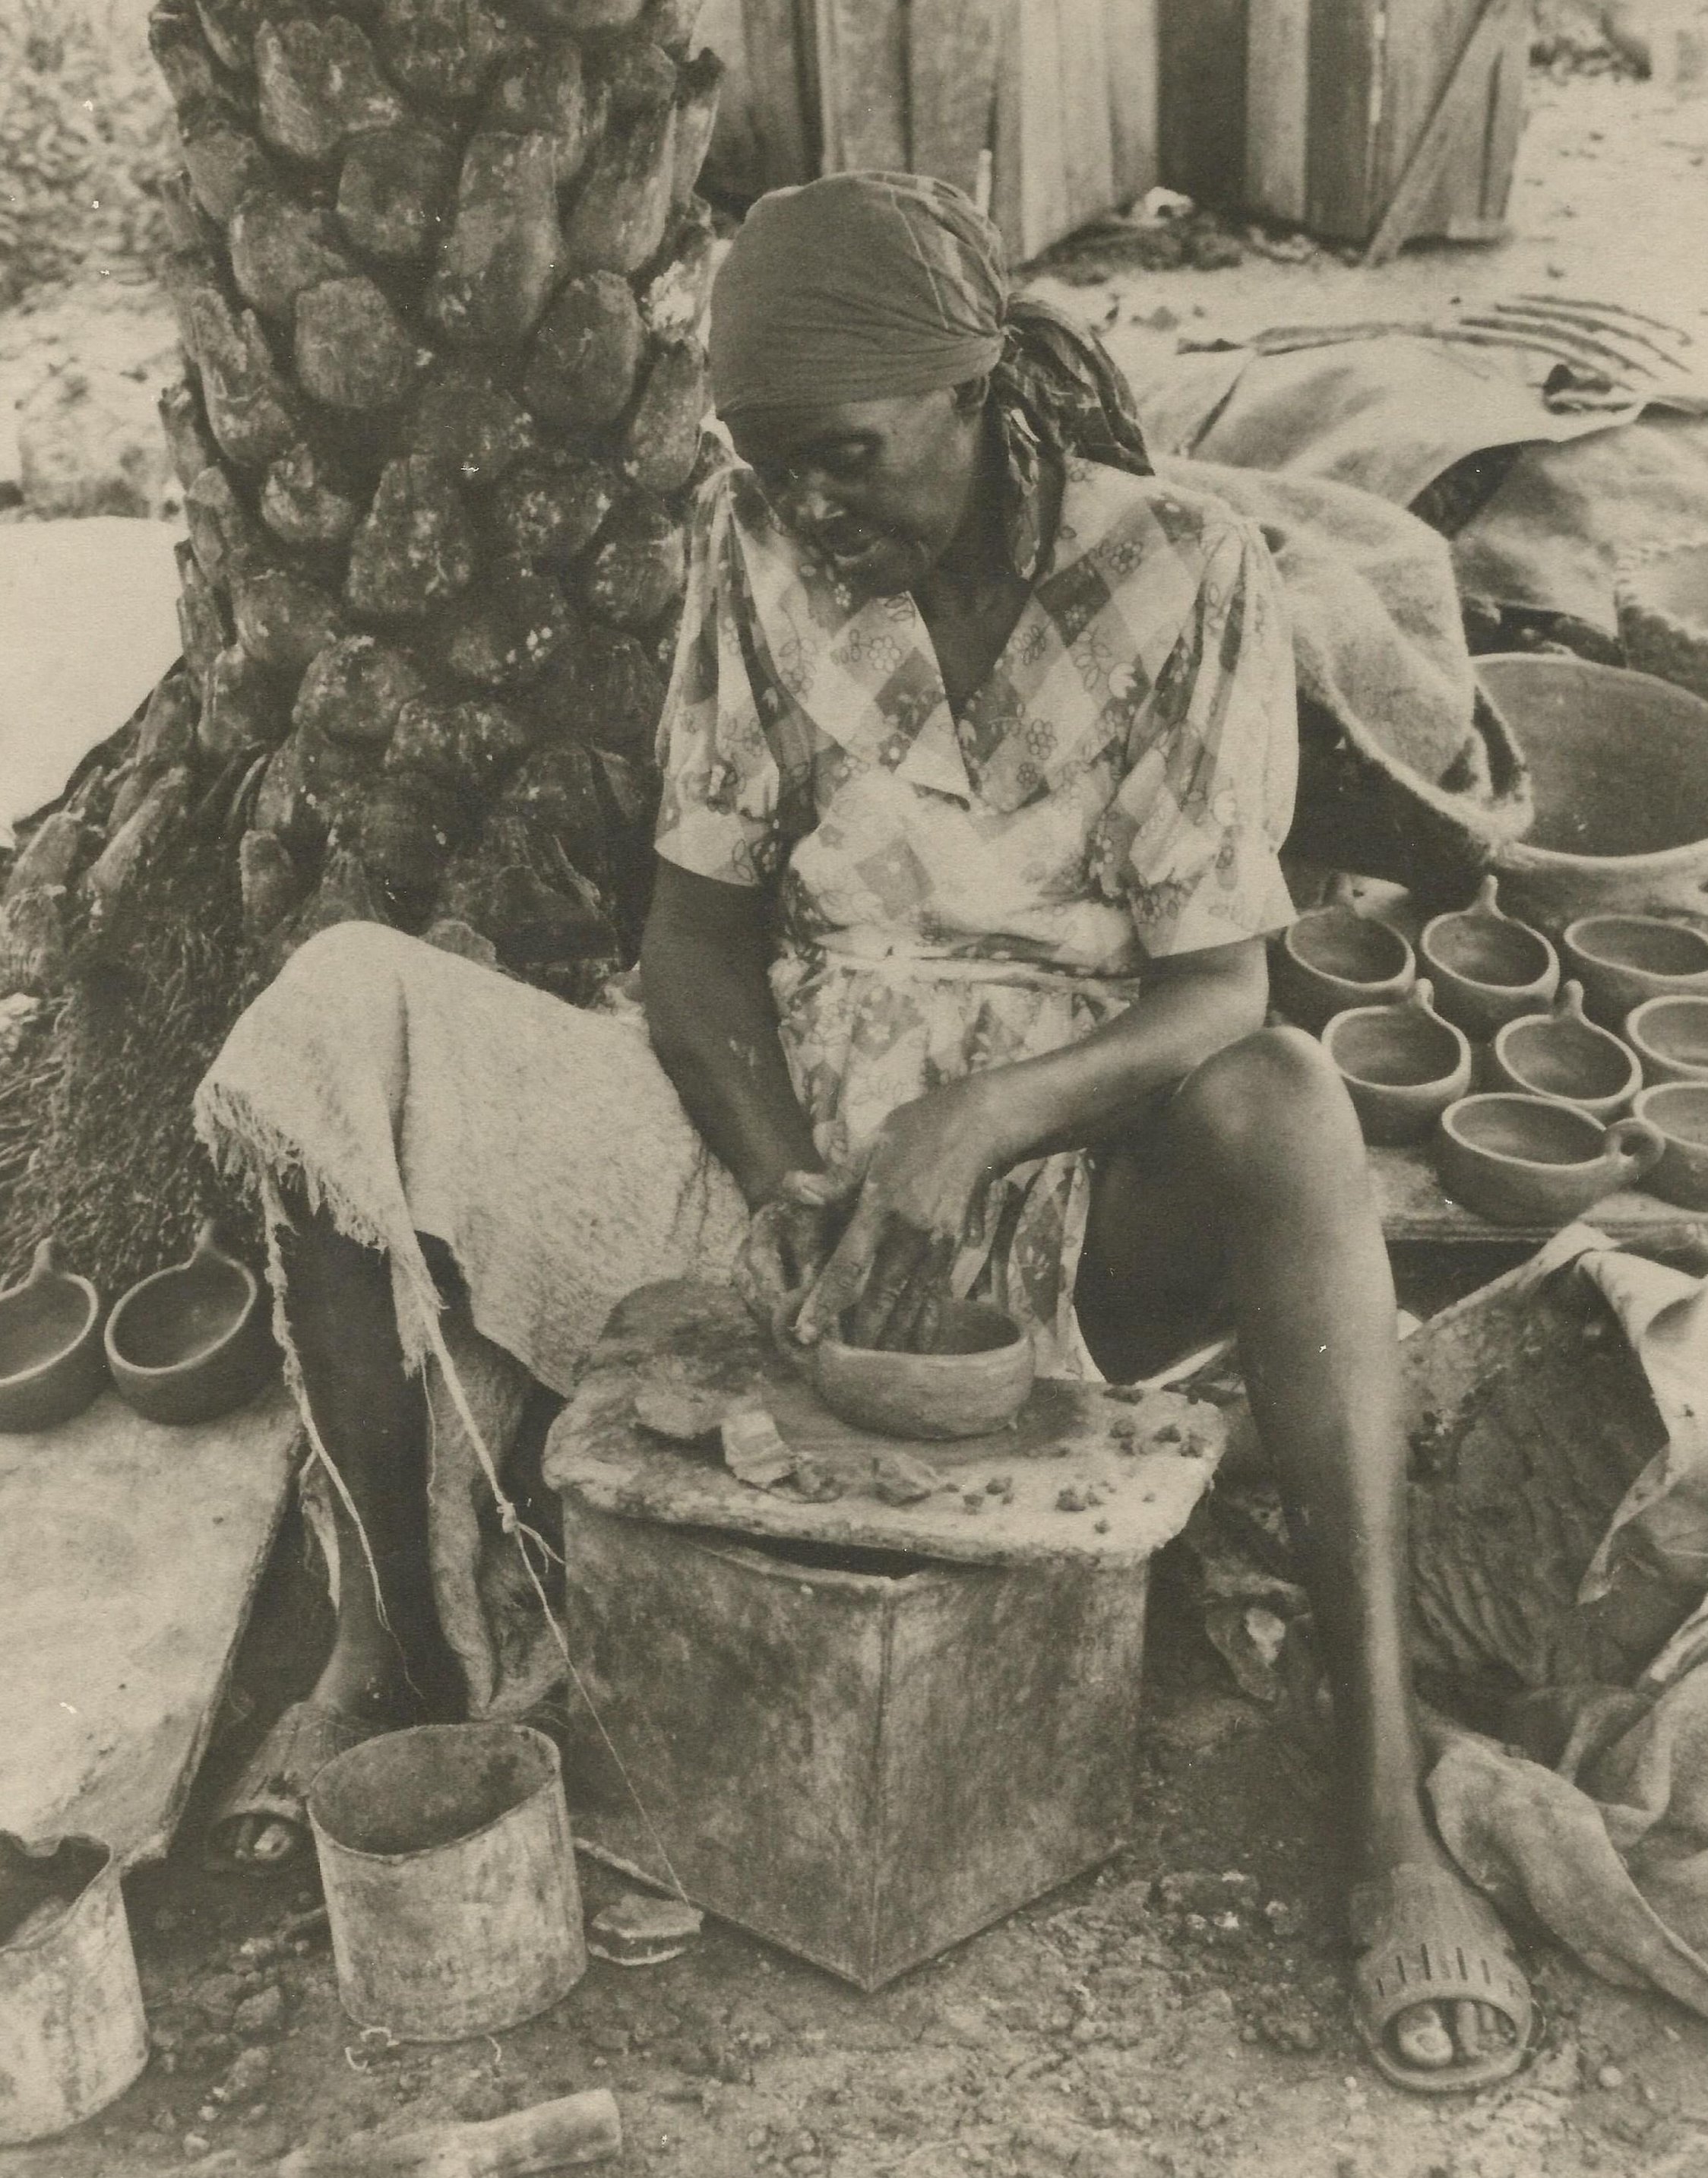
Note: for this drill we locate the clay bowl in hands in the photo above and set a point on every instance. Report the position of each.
(51, 1364)
(975, 1382)
(1525, 1161)
(1487, 969)
(1679, 1110)
(192, 1342)
(1333, 958)
(1670, 1036)
(1623, 959)
(1403, 1066)
(1563, 1056)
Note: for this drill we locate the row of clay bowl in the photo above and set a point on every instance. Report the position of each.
(187, 1344)
(1560, 1115)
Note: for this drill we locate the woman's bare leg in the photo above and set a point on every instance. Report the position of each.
(1254, 1176)
(388, 1663)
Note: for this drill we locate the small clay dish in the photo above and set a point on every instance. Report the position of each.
(1622, 960)
(1563, 1056)
(1487, 969)
(51, 1361)
(1528, 1161)
(1333, 958)
(1679, 1110)
(1403, 1066)
(975, 1382)
(192, 1342)
(1670, 1036)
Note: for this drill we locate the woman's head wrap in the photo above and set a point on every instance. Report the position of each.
(856, 287)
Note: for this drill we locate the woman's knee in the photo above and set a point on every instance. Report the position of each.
(349, 955)
(1275, 1092)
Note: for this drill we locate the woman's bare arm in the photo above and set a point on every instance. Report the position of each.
(703, 961)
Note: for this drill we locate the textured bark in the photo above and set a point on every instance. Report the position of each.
(415, 551)
(581, 373)
(438, 276)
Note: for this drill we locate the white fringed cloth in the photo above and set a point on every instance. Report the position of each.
(409, 1092)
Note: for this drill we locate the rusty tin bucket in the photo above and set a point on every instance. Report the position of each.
(71, 2031)
(449, 1878)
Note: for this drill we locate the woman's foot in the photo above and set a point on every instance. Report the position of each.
(1437, 1995)
(369, 1686)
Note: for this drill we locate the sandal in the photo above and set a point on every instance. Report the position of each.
(274, 1782)
(1423, 1938)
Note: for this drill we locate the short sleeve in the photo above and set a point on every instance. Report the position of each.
(1193, 836)
(718, 810)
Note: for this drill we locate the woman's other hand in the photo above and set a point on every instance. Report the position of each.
(789, 1240)
(919, 1180)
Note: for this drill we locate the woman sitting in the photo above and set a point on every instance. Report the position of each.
(977, 754)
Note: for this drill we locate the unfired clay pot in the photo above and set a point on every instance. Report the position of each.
(1333, 958)
(192, 1342)
(51, 1361)
(1622, 960)
(1524, 1161)
(1670, 1036)
(1561, 1055)
(1488, 967)
(977, 1382)
(1403, 1066)
(1680, 1110)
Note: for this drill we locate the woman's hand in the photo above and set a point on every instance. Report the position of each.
(922, 1173)
(789, 1240)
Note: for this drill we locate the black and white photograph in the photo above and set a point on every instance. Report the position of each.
(854, 1088)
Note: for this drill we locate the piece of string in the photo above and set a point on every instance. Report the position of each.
(513, 1524)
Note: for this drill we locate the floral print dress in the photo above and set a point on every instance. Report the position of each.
(959, 894)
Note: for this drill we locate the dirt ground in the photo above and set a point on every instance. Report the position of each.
(1179, 2014)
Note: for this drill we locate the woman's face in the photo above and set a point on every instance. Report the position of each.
(878, 488)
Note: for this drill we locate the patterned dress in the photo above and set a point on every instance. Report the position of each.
(956, 895)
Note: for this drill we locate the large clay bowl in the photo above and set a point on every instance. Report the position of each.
(1680, 1111)
(192, 1342)
(1487, 968)
(51, 1364)
(1333, 958)
(1670, 1036)
(1619, 764)
(1564, 1056)
(1622, 960)
(1403, 1066)
(977, 1382)
(1525, 1161)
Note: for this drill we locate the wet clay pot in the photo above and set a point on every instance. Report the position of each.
(976, 1382)
(1333, 958)
(1487, 968)
(192, 1342)
(1525, 1161)
(1622, 960)
(1619, 774)
(1670, 1036)
(1403, 1066)
(1679, 1110)
(51, 1364)
(1563, 1056)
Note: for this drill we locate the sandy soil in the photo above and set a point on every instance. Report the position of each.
(1179, 2015)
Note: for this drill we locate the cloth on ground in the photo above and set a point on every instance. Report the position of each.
(1391, 416)
(411, 1092)
(1559, 1563)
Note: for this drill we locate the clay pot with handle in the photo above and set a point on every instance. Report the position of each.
(1527, 1161)
(1488, 967)
(1562, 1056)
(192, 1342)
(1403, 1066)
(51, 1364)
(1679, 1110)
(1623, 960)
(1670, 1037)
(1333, 958)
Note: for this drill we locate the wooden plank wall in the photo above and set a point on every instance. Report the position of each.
(1201, 98)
